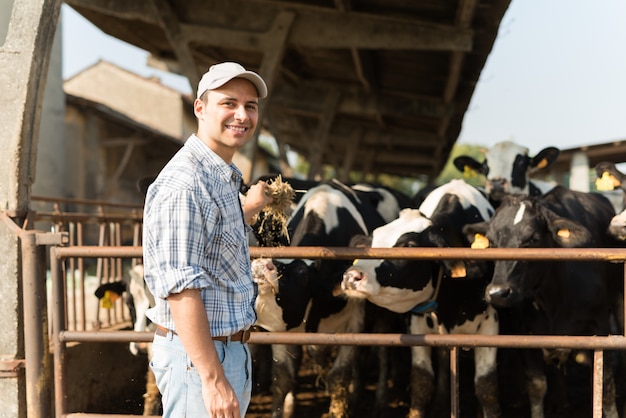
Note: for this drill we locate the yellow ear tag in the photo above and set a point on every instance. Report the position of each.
(458, 271)
(563, 233)
(542, 164)
(108, 299)
(469, 172)
(607, 182)
(480, 242)
(356, 260)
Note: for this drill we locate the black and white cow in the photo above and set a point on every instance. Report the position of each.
(426, 289)
(306, 294)
(610, 178)
(552, 297)
(285, 291)
(507, 167)
(138, 299)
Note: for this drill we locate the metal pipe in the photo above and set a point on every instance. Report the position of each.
(454, 383)
(611, 342)
(343, 253)
(38, 361)
(87, 202)
(87, 415)
(58, 325)
(598, 380)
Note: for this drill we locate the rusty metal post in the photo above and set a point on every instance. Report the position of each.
(38, 361)
(598, 378)
(58, 324)
(454, 383)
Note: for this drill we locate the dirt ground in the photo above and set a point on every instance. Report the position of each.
(312, 400)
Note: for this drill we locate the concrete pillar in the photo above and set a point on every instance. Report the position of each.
(51, 173)
(26, 37)
(579, 172)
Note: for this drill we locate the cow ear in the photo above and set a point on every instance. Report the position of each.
(569, 234)
(457, 269)
(471, 231)
(607, 182)
(545, 158)
(480, 242)
(469, 166)
(360, 241)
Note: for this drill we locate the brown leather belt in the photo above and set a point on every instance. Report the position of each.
(240, 336)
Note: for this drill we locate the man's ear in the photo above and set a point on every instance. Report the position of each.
(198, 107)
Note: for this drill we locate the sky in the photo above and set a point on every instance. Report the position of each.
(556, 75)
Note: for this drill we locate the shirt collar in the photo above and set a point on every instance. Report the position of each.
(210, 160)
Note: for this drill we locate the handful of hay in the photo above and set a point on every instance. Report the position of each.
(275, 215)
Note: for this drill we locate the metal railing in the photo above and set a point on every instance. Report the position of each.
(98, 223)
(62, 336)
(70, 248)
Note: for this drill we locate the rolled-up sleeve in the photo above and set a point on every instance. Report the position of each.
(175, 241)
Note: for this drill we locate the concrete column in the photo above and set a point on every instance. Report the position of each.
(51, 175)
(26, 37)
(579, 172)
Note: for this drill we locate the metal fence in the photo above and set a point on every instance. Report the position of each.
(454, 342)
(68, 255)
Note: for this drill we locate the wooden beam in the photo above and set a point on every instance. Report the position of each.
(463, 20)
(316, 27)
(274, 50)
(360, 103)
(353, 144)
(272, 57)
(321, 134)
(124, 141)
(170, 24)
(364, 32)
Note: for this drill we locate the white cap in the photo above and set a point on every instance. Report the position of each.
(220, 74)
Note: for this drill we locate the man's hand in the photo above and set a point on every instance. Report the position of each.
(194, 332)
(256, 200)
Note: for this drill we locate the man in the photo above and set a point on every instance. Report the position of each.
(196, 254)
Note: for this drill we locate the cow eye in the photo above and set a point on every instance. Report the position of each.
(533, 241)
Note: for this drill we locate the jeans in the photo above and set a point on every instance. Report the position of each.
(179, 382)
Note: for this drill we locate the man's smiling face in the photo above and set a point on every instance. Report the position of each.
(228, 118)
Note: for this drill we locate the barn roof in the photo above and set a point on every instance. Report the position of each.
(379, 86)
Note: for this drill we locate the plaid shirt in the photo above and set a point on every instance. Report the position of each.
(195, 237)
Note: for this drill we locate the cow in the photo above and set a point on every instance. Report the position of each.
(286, 290)
(327, 215)
(507, 168)
(610, 178)
(138, 299)
(551, 297)
(427, 292)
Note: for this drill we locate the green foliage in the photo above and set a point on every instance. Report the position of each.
(450, 172)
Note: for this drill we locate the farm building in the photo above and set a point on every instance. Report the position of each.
(374, 87)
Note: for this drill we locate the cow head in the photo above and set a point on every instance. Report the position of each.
(523, 222)
(398, 285)
(285, 291)
(507, 167)
(610, 178)
(137, 298)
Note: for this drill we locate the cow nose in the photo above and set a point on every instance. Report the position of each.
(498, 183)
(499, 295)
(497, 188)
(351, 277)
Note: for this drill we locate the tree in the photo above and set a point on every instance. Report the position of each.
(450, 172)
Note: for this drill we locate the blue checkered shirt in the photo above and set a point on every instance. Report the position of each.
(195, 237)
